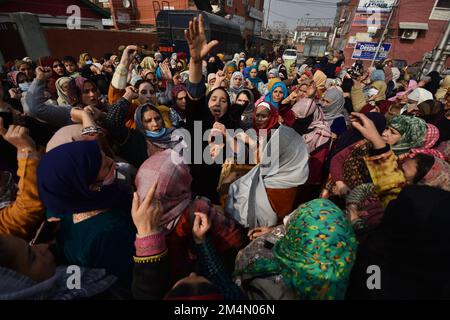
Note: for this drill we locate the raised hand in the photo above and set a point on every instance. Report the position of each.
(195, 36)
(130, 93)
(43, 73)
(18, 136)
(165, 69)
(200, 227)
(147, 215)
(367, 128)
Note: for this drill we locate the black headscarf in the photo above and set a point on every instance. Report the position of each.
(434, 83)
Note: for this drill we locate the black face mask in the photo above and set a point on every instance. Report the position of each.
(301, 125)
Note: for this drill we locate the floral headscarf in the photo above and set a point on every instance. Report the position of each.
(413, 132)
(317, 253)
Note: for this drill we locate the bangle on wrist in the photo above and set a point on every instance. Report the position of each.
(91, 130)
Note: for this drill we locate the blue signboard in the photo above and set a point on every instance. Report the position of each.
(366, 51)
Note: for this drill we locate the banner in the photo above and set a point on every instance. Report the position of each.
(366, 51)
(375, 5)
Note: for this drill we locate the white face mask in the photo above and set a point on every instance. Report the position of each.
(24, 86)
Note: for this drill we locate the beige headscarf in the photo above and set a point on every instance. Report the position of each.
(63, 97)
(320, 79)
(381, 87)
(442, 91)
(149, 64)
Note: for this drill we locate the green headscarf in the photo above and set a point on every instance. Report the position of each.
(413, 132)
(317, 253)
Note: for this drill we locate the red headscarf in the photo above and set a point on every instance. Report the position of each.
(273, 117)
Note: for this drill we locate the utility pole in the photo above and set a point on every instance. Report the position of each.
(268, 13)
(386, 29)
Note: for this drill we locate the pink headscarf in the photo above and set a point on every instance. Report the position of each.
(174, 184)
(320, 131)
(412, 85)
(431, 137)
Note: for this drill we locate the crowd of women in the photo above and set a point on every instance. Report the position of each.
(92, 177)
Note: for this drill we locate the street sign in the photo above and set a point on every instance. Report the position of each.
(366, 51)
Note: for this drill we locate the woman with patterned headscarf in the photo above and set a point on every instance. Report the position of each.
(312, 261)
(404, 133)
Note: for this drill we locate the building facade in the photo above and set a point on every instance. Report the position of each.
(416, 27)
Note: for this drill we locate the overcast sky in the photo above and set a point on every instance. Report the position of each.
(289, 12)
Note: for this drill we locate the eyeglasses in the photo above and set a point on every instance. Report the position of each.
(58, 65)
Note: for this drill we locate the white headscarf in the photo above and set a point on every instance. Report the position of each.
(284, 166)
(420, 95)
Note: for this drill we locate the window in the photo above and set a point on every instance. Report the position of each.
(245, 2)
(441, 10)
(230, 3)
(443, 4)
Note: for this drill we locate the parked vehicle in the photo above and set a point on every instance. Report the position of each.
(315, 47)
(170, 25)
(289, 54)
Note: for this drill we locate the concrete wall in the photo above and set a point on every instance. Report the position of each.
(31, 33)
(97, 42)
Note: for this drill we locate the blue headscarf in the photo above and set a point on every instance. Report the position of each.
(377, 75)
(268, 97)
(164, 138)
(64, 175)
(256, 80)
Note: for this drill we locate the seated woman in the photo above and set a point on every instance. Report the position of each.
(269, 192)
(76, 183)
(404, 133)
(405, 247)
(311, 257)
(174, 192)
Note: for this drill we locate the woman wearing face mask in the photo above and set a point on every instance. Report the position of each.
(247, 98)
(332, 104)
(18, 83)
(85, 58)
(76, 183)
(150, 136)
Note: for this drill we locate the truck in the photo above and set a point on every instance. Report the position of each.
(170, 25)
(315, 47)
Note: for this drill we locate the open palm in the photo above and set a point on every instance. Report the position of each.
(195, 36)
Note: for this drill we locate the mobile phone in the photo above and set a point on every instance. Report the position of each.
(45, 233)
(7, 119)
